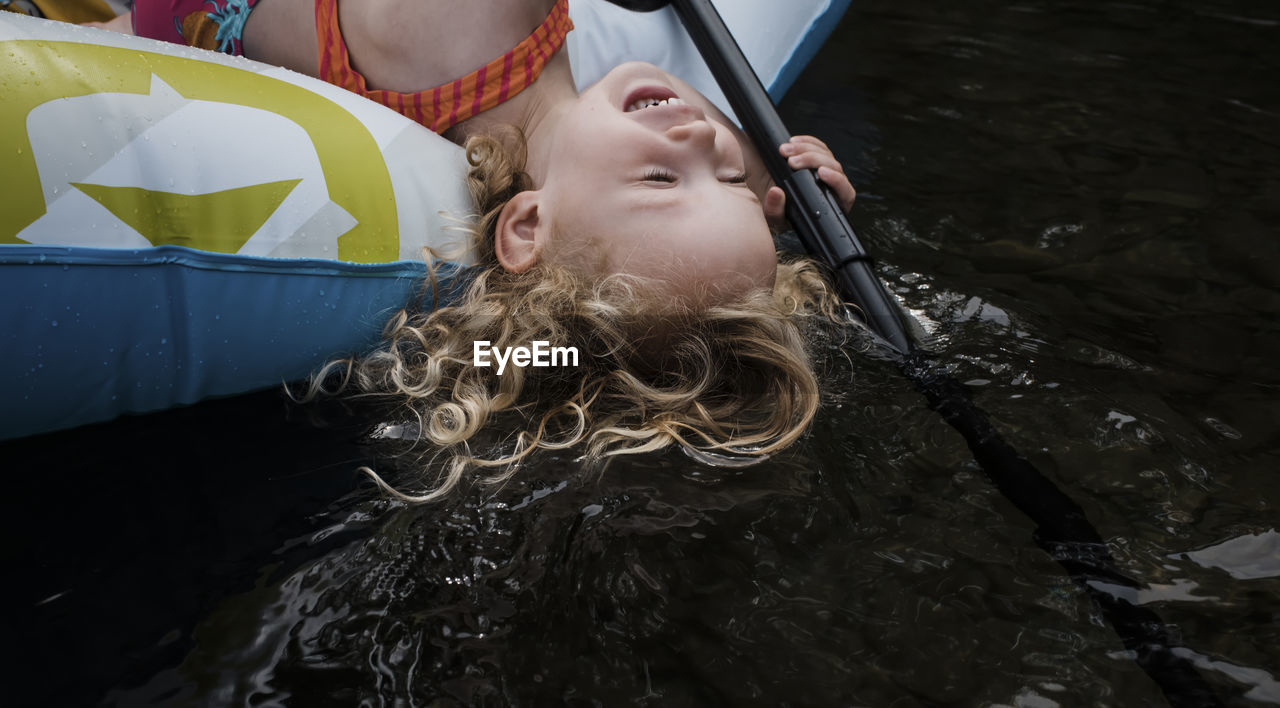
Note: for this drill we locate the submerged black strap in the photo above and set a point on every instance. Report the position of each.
(1061, 527)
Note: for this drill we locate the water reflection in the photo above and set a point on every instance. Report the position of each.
(1248, 557)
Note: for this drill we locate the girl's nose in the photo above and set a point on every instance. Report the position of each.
(697, 132)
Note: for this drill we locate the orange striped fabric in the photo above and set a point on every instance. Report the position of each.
(444, 106)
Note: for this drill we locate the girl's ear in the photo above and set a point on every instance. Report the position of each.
(521, 233)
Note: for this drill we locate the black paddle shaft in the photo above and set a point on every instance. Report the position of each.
(1061, 527)
(811, 208)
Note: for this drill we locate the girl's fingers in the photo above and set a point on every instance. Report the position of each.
(814, 160)
(775, 202)
(810, 140)
(805, 152)
(839, 184)
(775, 208)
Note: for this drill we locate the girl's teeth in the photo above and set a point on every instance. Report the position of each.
(649, 102)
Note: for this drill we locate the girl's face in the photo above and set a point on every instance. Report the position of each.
(654, 190)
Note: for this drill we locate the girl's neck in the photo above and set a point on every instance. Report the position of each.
(535, 111)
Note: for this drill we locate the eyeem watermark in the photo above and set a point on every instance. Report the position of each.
(541, 354)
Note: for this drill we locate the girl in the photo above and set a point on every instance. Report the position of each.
(631, 221)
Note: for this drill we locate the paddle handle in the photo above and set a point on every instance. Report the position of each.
(812, 209)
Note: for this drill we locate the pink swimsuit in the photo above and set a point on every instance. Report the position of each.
(219, 25)
(443, 106)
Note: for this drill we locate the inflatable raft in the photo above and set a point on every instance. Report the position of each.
(177, 224)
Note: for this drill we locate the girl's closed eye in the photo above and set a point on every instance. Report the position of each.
(657, 175)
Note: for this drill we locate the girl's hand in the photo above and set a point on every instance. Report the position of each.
(805, 152)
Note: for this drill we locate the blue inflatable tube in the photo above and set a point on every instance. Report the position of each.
(140, 331)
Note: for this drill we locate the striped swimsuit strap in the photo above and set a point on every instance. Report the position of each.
(445, 106)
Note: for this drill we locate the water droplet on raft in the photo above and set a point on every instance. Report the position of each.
(53, 322)
(164, 340)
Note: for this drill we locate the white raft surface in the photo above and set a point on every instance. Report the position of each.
(177, 224)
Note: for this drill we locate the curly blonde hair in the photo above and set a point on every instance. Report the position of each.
(730, 379)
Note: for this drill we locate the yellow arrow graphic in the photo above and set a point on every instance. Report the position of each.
(217, 221)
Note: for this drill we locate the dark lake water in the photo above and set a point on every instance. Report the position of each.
(1080, 202)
